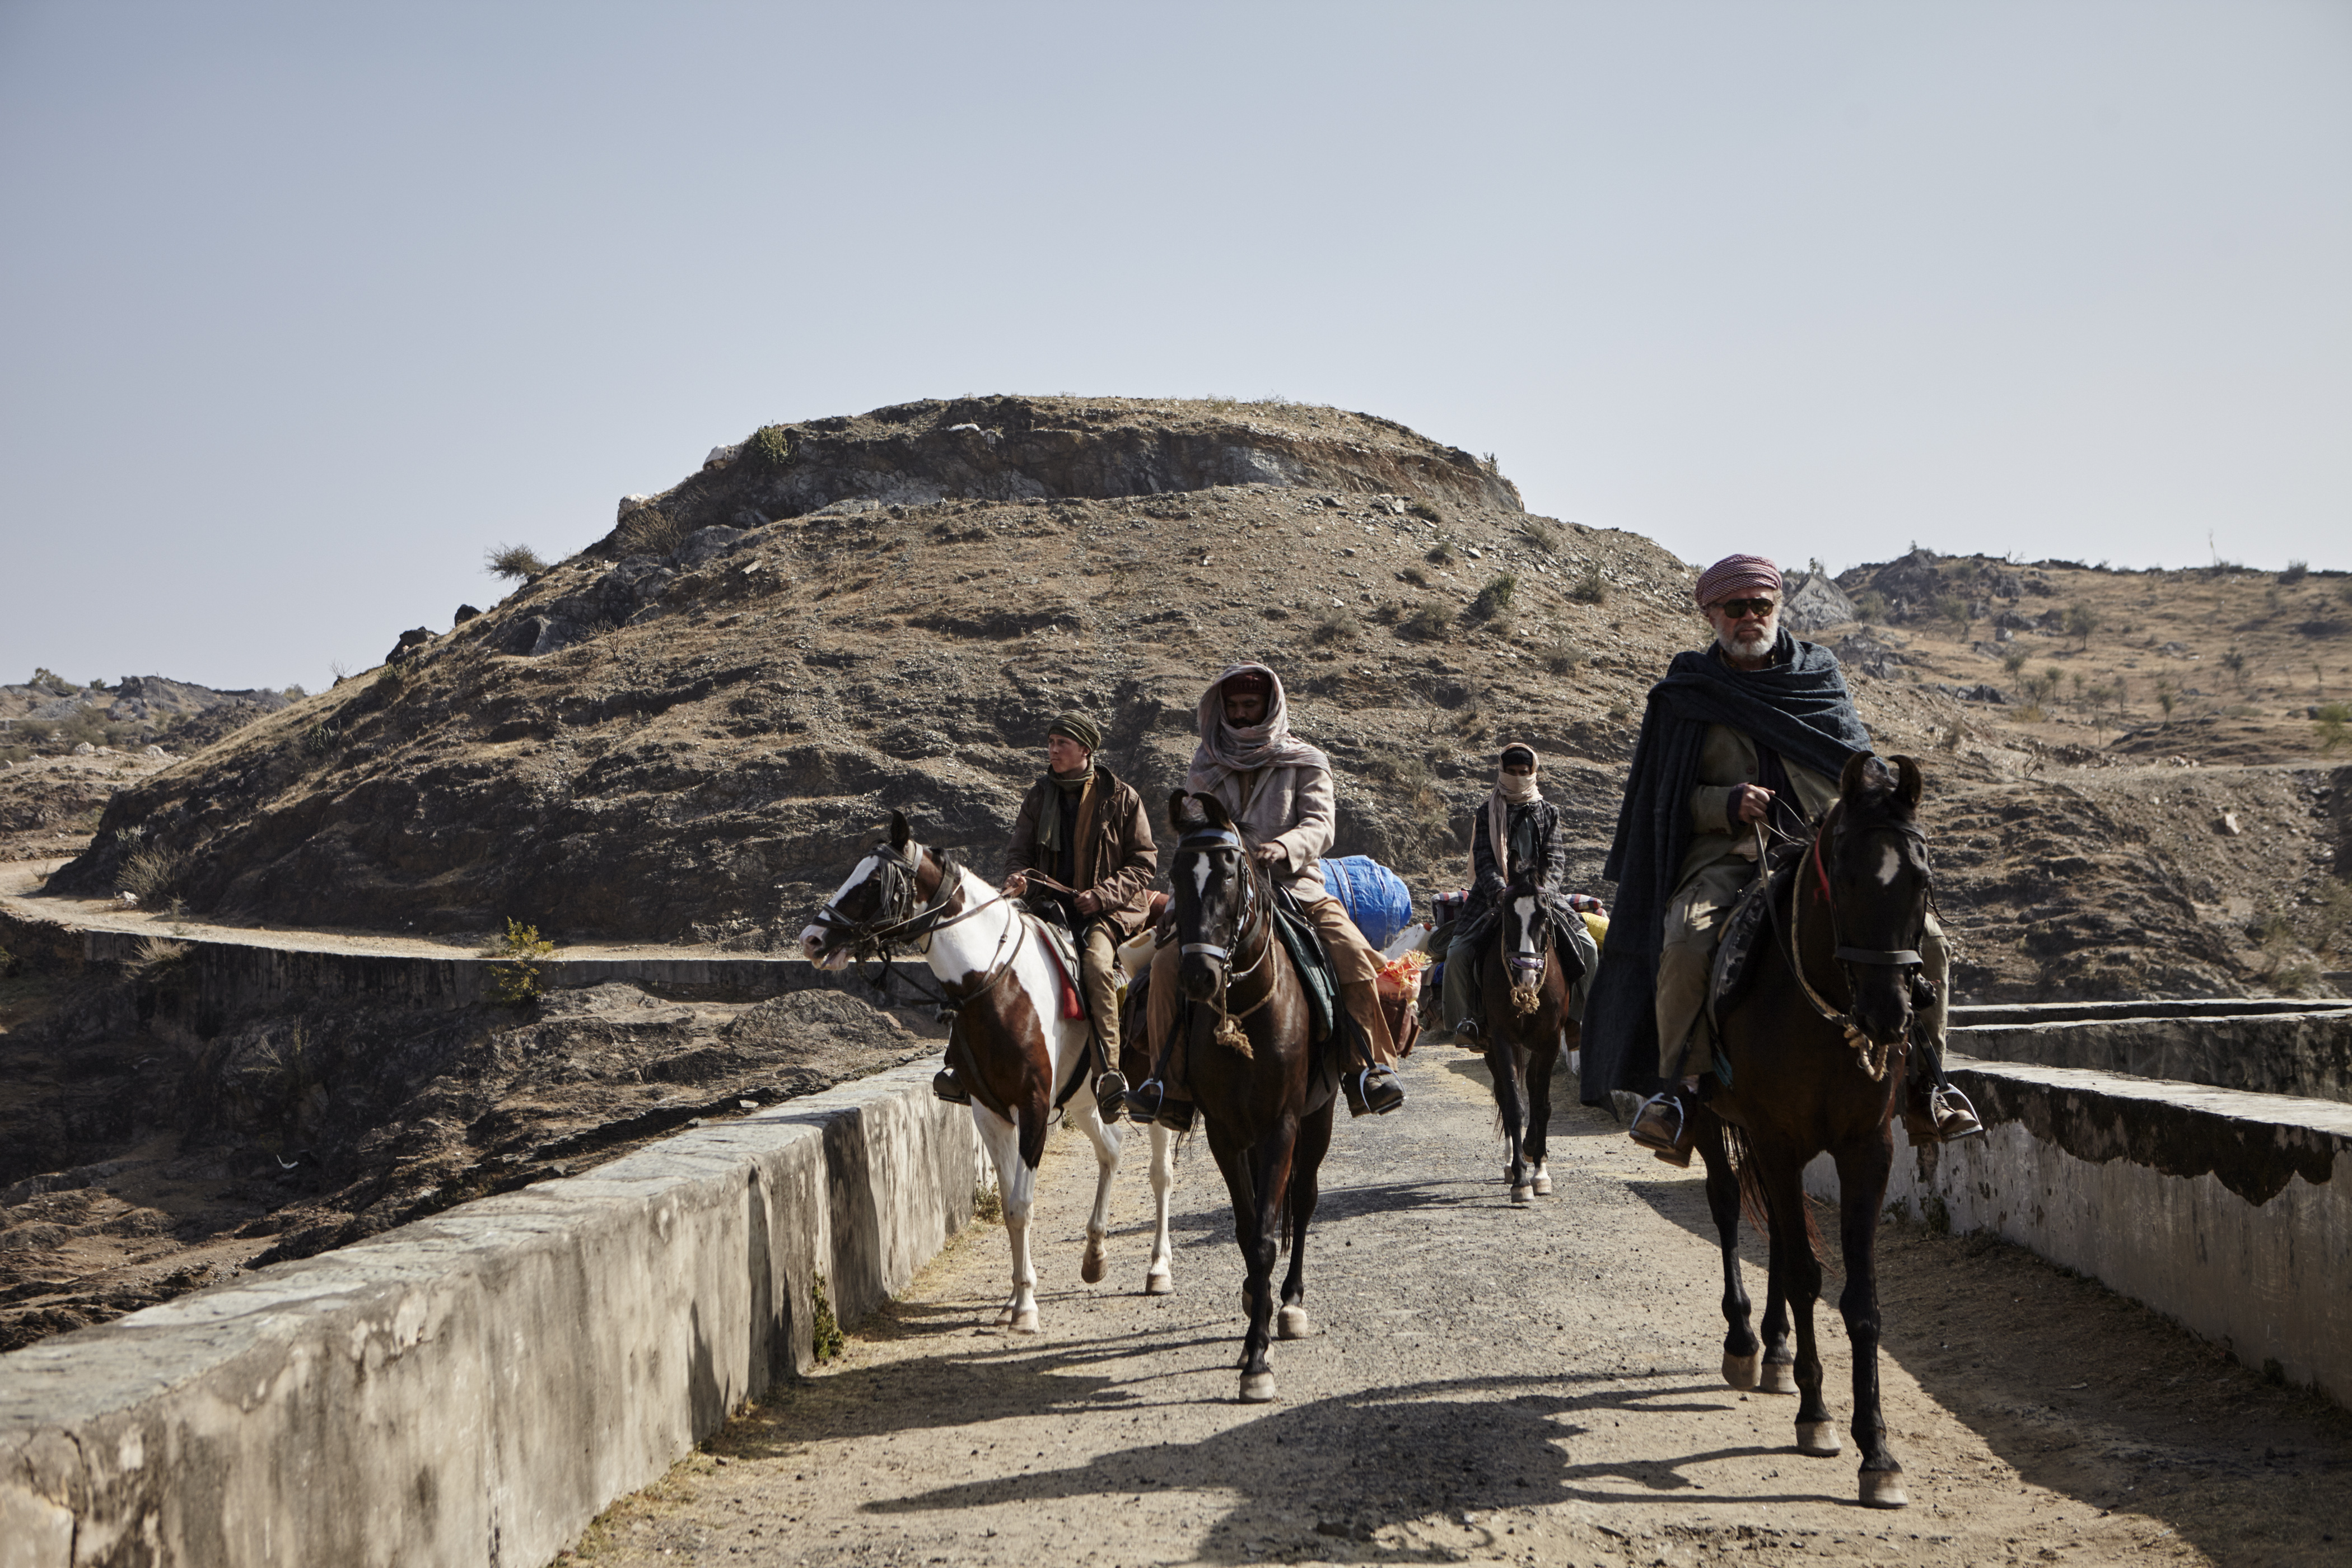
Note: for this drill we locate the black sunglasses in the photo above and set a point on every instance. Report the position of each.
(1740, 608)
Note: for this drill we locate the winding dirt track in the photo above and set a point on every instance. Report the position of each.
(1492, 1385)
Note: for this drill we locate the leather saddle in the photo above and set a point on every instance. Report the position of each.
(1746, 932)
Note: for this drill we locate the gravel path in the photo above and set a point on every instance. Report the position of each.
(1491, 1385)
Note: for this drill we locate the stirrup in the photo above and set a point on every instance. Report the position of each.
(1953, 1116)
(1148, 1102)
(1373, 1092)
(1658, 1126)
(1469, 1036)
(950, 1088)
(1110, 1092)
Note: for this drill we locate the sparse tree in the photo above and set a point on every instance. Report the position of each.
(2081, 622)
(517, 562)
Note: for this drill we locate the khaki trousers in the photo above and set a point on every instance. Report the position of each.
(1098, 983)
(1695, 921)
(1357, 966)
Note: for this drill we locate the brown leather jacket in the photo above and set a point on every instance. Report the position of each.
(1115, 857)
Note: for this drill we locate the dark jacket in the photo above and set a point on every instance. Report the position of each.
(1489, 874)
(1116, 859)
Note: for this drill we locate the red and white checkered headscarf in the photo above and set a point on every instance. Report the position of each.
(1731, 574)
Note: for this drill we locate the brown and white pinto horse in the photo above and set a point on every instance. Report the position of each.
(1250, 1064)
(993, 966)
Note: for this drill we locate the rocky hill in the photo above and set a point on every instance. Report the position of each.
(685, 732)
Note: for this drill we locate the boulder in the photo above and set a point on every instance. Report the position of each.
(411, 639)
(706, 542)
(465, 612)
(1811, 601)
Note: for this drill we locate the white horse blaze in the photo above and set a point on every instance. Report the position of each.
(1890, 865)
(1524, 907)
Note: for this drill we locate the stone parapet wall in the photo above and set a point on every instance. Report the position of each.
(2262, 1047)
(475, 1387)
(2219, 1208)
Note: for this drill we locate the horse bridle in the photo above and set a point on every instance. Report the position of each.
(873, 939)
(1871, 1055)
(1213, 838)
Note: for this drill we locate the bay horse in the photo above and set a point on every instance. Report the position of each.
(1812, 1059)
(1525, 991)
(1024, 1057)
(1251, 1064)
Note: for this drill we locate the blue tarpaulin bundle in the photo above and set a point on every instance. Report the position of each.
(1375, 898)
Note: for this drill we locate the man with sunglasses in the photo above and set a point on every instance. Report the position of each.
(1745, 740)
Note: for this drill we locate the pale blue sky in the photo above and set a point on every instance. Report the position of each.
(301, 306)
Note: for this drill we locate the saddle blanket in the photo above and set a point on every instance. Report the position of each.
(1059, 943)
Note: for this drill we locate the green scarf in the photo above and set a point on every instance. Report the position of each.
(1049, 814)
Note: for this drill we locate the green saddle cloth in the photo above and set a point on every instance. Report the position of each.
(1313, 963)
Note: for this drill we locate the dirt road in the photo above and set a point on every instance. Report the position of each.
(1492, 1385)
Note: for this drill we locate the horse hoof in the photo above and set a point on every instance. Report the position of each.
(1291, 1323)
(1257, 1388)
(1027, 1323)
(1739, 1370)
(1884, 1489)
(1542, 1185)
(1780, 1377)
(1093, 1270)
(1522, 1195)
(1159, 1283)
(1818, 1438)
(1003, 1317)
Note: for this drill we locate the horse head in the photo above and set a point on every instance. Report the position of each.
(1526, 940)
(1876, 868)
(881, 893)
(1210, 880)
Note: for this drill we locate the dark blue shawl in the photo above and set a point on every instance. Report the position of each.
(1799, 706)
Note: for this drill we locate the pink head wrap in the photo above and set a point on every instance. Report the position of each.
(1733, 573)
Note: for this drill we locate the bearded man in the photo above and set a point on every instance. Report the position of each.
(1082, 848)
(1755, 729)
(1277, 789)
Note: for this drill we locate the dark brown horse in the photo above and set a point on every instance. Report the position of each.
(1524, 983)
(1251, 1063)
(1812, 1059)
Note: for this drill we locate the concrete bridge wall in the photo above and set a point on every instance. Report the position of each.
(475, 1387)
(2263, 1046)
(2230, 1213)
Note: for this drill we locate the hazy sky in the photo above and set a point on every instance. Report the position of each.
(302, 307)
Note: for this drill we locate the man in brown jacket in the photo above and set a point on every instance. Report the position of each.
(1082, 840)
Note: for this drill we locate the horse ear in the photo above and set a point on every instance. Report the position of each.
(1216, 809)
(900, 833)
(1908, 780)
(1857, 768)
(1176, 799)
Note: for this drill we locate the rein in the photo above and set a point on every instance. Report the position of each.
(1870, 1055)
(875, 939)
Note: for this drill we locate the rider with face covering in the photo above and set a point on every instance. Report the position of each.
(1515, 838)
(1746, 737)
(1277, 789)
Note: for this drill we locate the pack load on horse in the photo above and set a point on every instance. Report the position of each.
(1261, 1040)
(1739, 748)
(1018, 1051)
(1277, 791)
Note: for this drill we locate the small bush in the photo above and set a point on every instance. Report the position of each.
(987, 1203)
(651, 531)
(769, 446)
(1493, 600)
(1591, 588)
(1426, 512)
(393, 680)
(518, 977)
(2081, 622)
(2013, 660)
(1414, 575)
(1441, 555)
(1620, 711)
(1540, 535)
(517, 562)
(1870, 604)
(2296, 570)
(159, 961)
(320, 739)
(1340, 625)
(2330, 725)
(825, 1338)
(1563, 656)
(1430, 622)
(153, 873)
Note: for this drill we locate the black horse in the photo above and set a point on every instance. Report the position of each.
(1525, 980)
(1813, 1059)
(1247, 1040)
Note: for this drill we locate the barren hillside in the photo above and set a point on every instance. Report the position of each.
(685, 732)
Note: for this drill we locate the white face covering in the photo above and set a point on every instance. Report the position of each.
(1516, 788)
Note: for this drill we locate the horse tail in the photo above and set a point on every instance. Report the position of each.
(1752, 1203)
